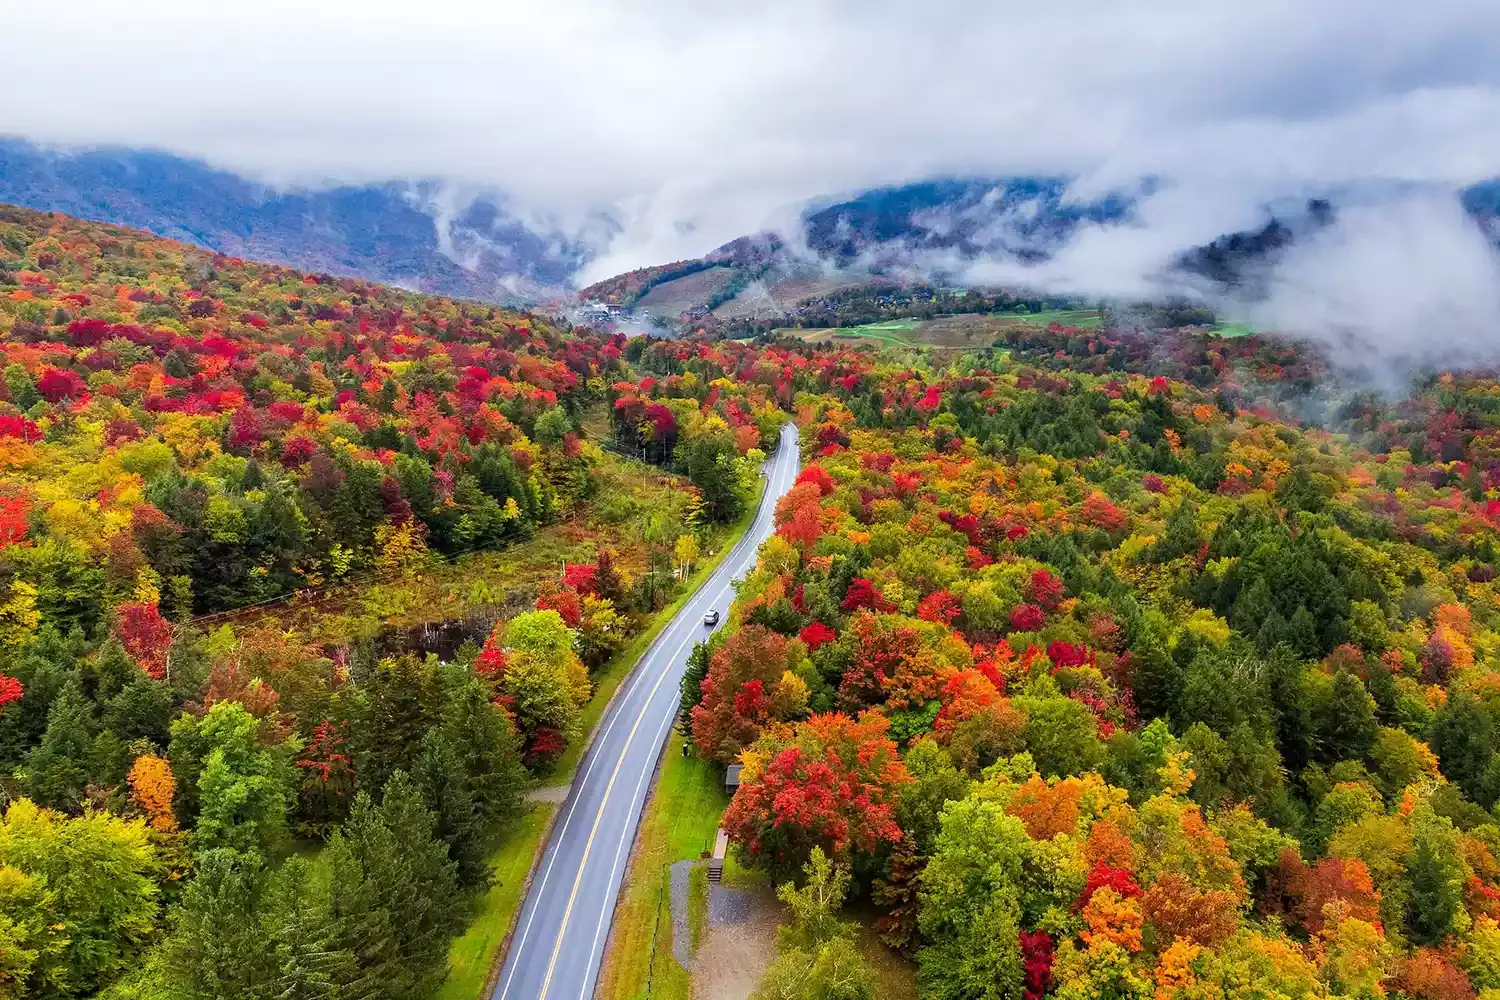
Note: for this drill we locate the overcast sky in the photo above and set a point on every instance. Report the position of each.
(696, 121)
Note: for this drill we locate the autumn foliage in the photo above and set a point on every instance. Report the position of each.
(146, 636)
(832, 782)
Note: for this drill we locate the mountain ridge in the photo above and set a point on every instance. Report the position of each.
(420, 235)
(388, 232)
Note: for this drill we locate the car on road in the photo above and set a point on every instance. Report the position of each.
(711, 619)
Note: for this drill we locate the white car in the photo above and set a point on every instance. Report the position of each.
(711, 619)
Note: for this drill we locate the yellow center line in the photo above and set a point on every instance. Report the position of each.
(588, 846)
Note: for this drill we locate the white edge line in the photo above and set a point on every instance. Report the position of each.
(614, 884)
(773, 495)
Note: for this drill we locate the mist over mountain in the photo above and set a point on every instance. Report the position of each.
(1359, 266)
(1023, 216)
(418, 234)
(1334, 263)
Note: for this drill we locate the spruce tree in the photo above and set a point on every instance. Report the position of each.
(393, 709)
(417, 880)
(1296, 732)
(446, 791)
(1302, 633)
(1464, 739)
(1436, 876)
(393, 894)
(217, 947)
(142, 710)
(310, 963)
(691, 687)
(111, 671)
(1156, 680)
(490, 751)
(1347, 720)
(359, 923)
(44, 670)
(57, 770)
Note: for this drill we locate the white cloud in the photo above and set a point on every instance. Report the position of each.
(1414, 280)
(695, 122)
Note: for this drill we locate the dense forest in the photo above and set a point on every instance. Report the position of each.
(1094, 674)
(199, 809)
(1095, 663)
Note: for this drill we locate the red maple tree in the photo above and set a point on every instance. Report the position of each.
(833, 784)
(146, 636)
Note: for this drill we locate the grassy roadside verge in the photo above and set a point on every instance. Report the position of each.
(474, 957)
(620, 666)
(679, 823)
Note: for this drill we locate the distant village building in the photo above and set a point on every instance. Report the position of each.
(599, 312)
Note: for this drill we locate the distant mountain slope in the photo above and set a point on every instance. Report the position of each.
(385, 232)
(1231, 259)
(1024, 216)
(919, 227)
(929, 231)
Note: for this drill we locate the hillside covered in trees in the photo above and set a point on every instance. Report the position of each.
(1094, 677)
(1093, 663)
(202, 809)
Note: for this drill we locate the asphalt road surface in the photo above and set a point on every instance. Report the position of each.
(559, 941)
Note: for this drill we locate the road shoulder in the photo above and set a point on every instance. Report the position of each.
(477, 957)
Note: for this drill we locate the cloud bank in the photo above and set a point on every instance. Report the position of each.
(690, 123)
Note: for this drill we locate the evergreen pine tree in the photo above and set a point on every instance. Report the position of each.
(392, 892)
(44, 670)
(1347, 720)
(691, 687)
(359, 922)
(1156, 679)
(1463, 737)
(310, 964)
(393, 710)
(489, 749)
(1302, 633)
(1273, 632)
(111, 671)
(1252, 607)
(57, 770)
(417, 880)
(1295, 729)
(217, 947)
(1436, 877)
(446, 790)
(142, 710)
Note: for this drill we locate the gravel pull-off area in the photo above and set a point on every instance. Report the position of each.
(682, 935)
(732, 906)
(555, 794)
(737, 946)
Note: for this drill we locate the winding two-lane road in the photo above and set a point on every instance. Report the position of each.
(559, 942)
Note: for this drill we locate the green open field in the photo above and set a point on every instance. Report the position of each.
(1084, 319)
(1233, 330)
(959, 331)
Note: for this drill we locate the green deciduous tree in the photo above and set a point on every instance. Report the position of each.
(244, 790)
(818, 959)
(94, 894)
(970, 907)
